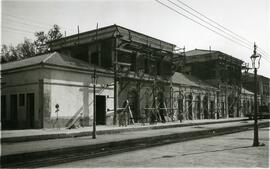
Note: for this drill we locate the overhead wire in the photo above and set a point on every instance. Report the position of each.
(213, 21)
(235, 40)
(216, 27)
(14, 21)
(17, 29)
(227, 29)
(202, 24)
(4, 14)
(241, 38)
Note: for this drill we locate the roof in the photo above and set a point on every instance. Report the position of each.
(245, 91)
(53, 58)
(106, 33)
(199, 52)
(201, 55)
(187, 80)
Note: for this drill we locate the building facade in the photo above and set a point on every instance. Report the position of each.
(221, 71)
(141, 77)
(263, 88)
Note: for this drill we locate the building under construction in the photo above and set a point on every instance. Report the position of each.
(223, 72)
(134, 78)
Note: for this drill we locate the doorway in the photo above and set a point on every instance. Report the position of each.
(190, 114)
(13, 111)
(212, 108)
(205, 107)
(30, 109)
(100, 110)
(133, 103)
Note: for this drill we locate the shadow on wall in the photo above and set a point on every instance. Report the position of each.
(83, 112)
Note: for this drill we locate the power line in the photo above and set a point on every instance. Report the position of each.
(222, 30)
(228, 38)
(228, 30)
(32, 21)
(11, 20)
(16, 29)
(214, 21)
(203, 25)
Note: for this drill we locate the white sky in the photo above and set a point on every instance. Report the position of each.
(248, 18)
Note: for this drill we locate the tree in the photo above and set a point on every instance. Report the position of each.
(54, 33)
(21, 51)
(40, 42)
(42, 38)
(28, 48)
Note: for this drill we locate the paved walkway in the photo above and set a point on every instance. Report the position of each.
(52, 144)
(105, 129)
(232, 150)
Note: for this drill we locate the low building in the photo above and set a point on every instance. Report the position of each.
(31, 88)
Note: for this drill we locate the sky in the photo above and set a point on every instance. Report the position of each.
(248, 18)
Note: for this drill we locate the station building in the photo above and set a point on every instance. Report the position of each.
(56, 89)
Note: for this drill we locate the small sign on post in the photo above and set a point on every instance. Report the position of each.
(56, 120)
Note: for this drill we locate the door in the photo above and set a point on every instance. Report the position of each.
(13, 111)
(30, 110)
(100, 110)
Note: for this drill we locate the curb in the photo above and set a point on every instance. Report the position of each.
(51, 157)
(110, 131)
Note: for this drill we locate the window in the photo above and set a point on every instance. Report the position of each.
(21, 100)
(146, 66)
(106, 53)
(94, 58)
(80, 52)
(3, 107)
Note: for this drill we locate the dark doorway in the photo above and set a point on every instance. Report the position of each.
(212, 108)
(205, 107)
(100, 110)
(30, 110)
(180, 107)
(13, 110)
(238, 108)
(190, 117)
(3, 107)
(198, 107)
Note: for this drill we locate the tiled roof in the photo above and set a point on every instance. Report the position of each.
(53, 58)
(25, 62)
(183, 79)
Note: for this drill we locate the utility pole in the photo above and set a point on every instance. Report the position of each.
(94, 91)
(115, 82)
(94, 105)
